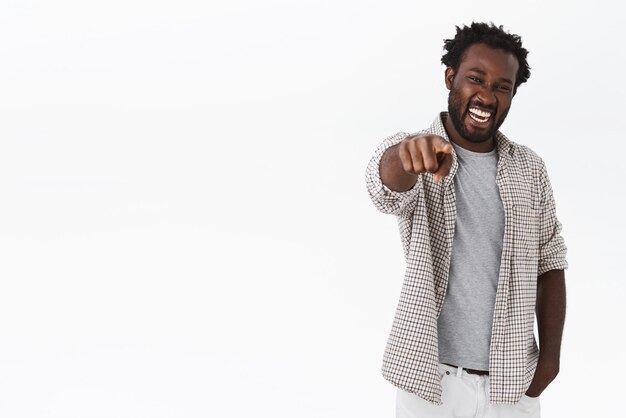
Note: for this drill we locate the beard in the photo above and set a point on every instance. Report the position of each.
(458, 113)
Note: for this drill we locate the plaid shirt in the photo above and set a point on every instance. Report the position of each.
(426, 218)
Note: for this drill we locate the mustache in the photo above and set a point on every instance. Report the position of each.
(481, 105)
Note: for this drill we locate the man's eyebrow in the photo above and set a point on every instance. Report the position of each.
(479, 71)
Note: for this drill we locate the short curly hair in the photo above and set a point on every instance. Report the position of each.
(491, 35)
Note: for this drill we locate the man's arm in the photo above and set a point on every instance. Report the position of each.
(395, 168)
(550, 310)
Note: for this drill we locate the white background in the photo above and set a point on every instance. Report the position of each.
(184, 225)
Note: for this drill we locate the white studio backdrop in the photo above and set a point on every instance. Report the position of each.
(184, 226)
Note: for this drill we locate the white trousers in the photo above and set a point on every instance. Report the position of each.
(464, 395)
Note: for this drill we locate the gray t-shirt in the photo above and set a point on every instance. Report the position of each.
(466, 318)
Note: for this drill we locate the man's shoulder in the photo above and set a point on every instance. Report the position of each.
(527, 153)
(520, 152)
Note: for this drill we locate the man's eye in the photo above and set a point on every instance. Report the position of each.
(475, 79)
(505, 89)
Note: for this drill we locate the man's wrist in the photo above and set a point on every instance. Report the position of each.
(546, 372)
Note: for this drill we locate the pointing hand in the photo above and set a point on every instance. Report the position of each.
(427, 153)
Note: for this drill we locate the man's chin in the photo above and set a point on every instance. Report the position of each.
(477, 137)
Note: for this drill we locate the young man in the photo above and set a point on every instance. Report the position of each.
(482, 245)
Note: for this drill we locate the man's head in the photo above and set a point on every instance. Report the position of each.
(485, 65)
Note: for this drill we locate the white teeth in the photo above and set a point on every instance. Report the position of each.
(480, 113)
(477, 119)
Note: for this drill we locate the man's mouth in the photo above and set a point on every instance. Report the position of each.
(479, 115)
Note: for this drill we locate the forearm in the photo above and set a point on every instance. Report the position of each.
(550, 310)
(393, 174)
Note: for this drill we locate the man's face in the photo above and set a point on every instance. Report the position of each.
(481, 91)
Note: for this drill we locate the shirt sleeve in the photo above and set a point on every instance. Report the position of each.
(552, 249)
(385, 199)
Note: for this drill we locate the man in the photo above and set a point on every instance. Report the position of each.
(482, 244)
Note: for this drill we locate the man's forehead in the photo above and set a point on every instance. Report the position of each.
(487, 58)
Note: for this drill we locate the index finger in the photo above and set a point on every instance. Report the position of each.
(444, 168)
(441, 145)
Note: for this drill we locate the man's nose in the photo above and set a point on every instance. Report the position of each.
(486, 96)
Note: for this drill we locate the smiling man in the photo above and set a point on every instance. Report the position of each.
(482, 246)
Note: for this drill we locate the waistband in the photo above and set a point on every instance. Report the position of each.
(449, 369)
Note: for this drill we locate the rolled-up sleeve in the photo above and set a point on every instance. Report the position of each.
(552, 249)
(385, 199)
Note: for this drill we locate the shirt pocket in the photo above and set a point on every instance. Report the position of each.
(525, 233)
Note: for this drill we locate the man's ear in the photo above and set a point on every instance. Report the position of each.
(449, 77)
